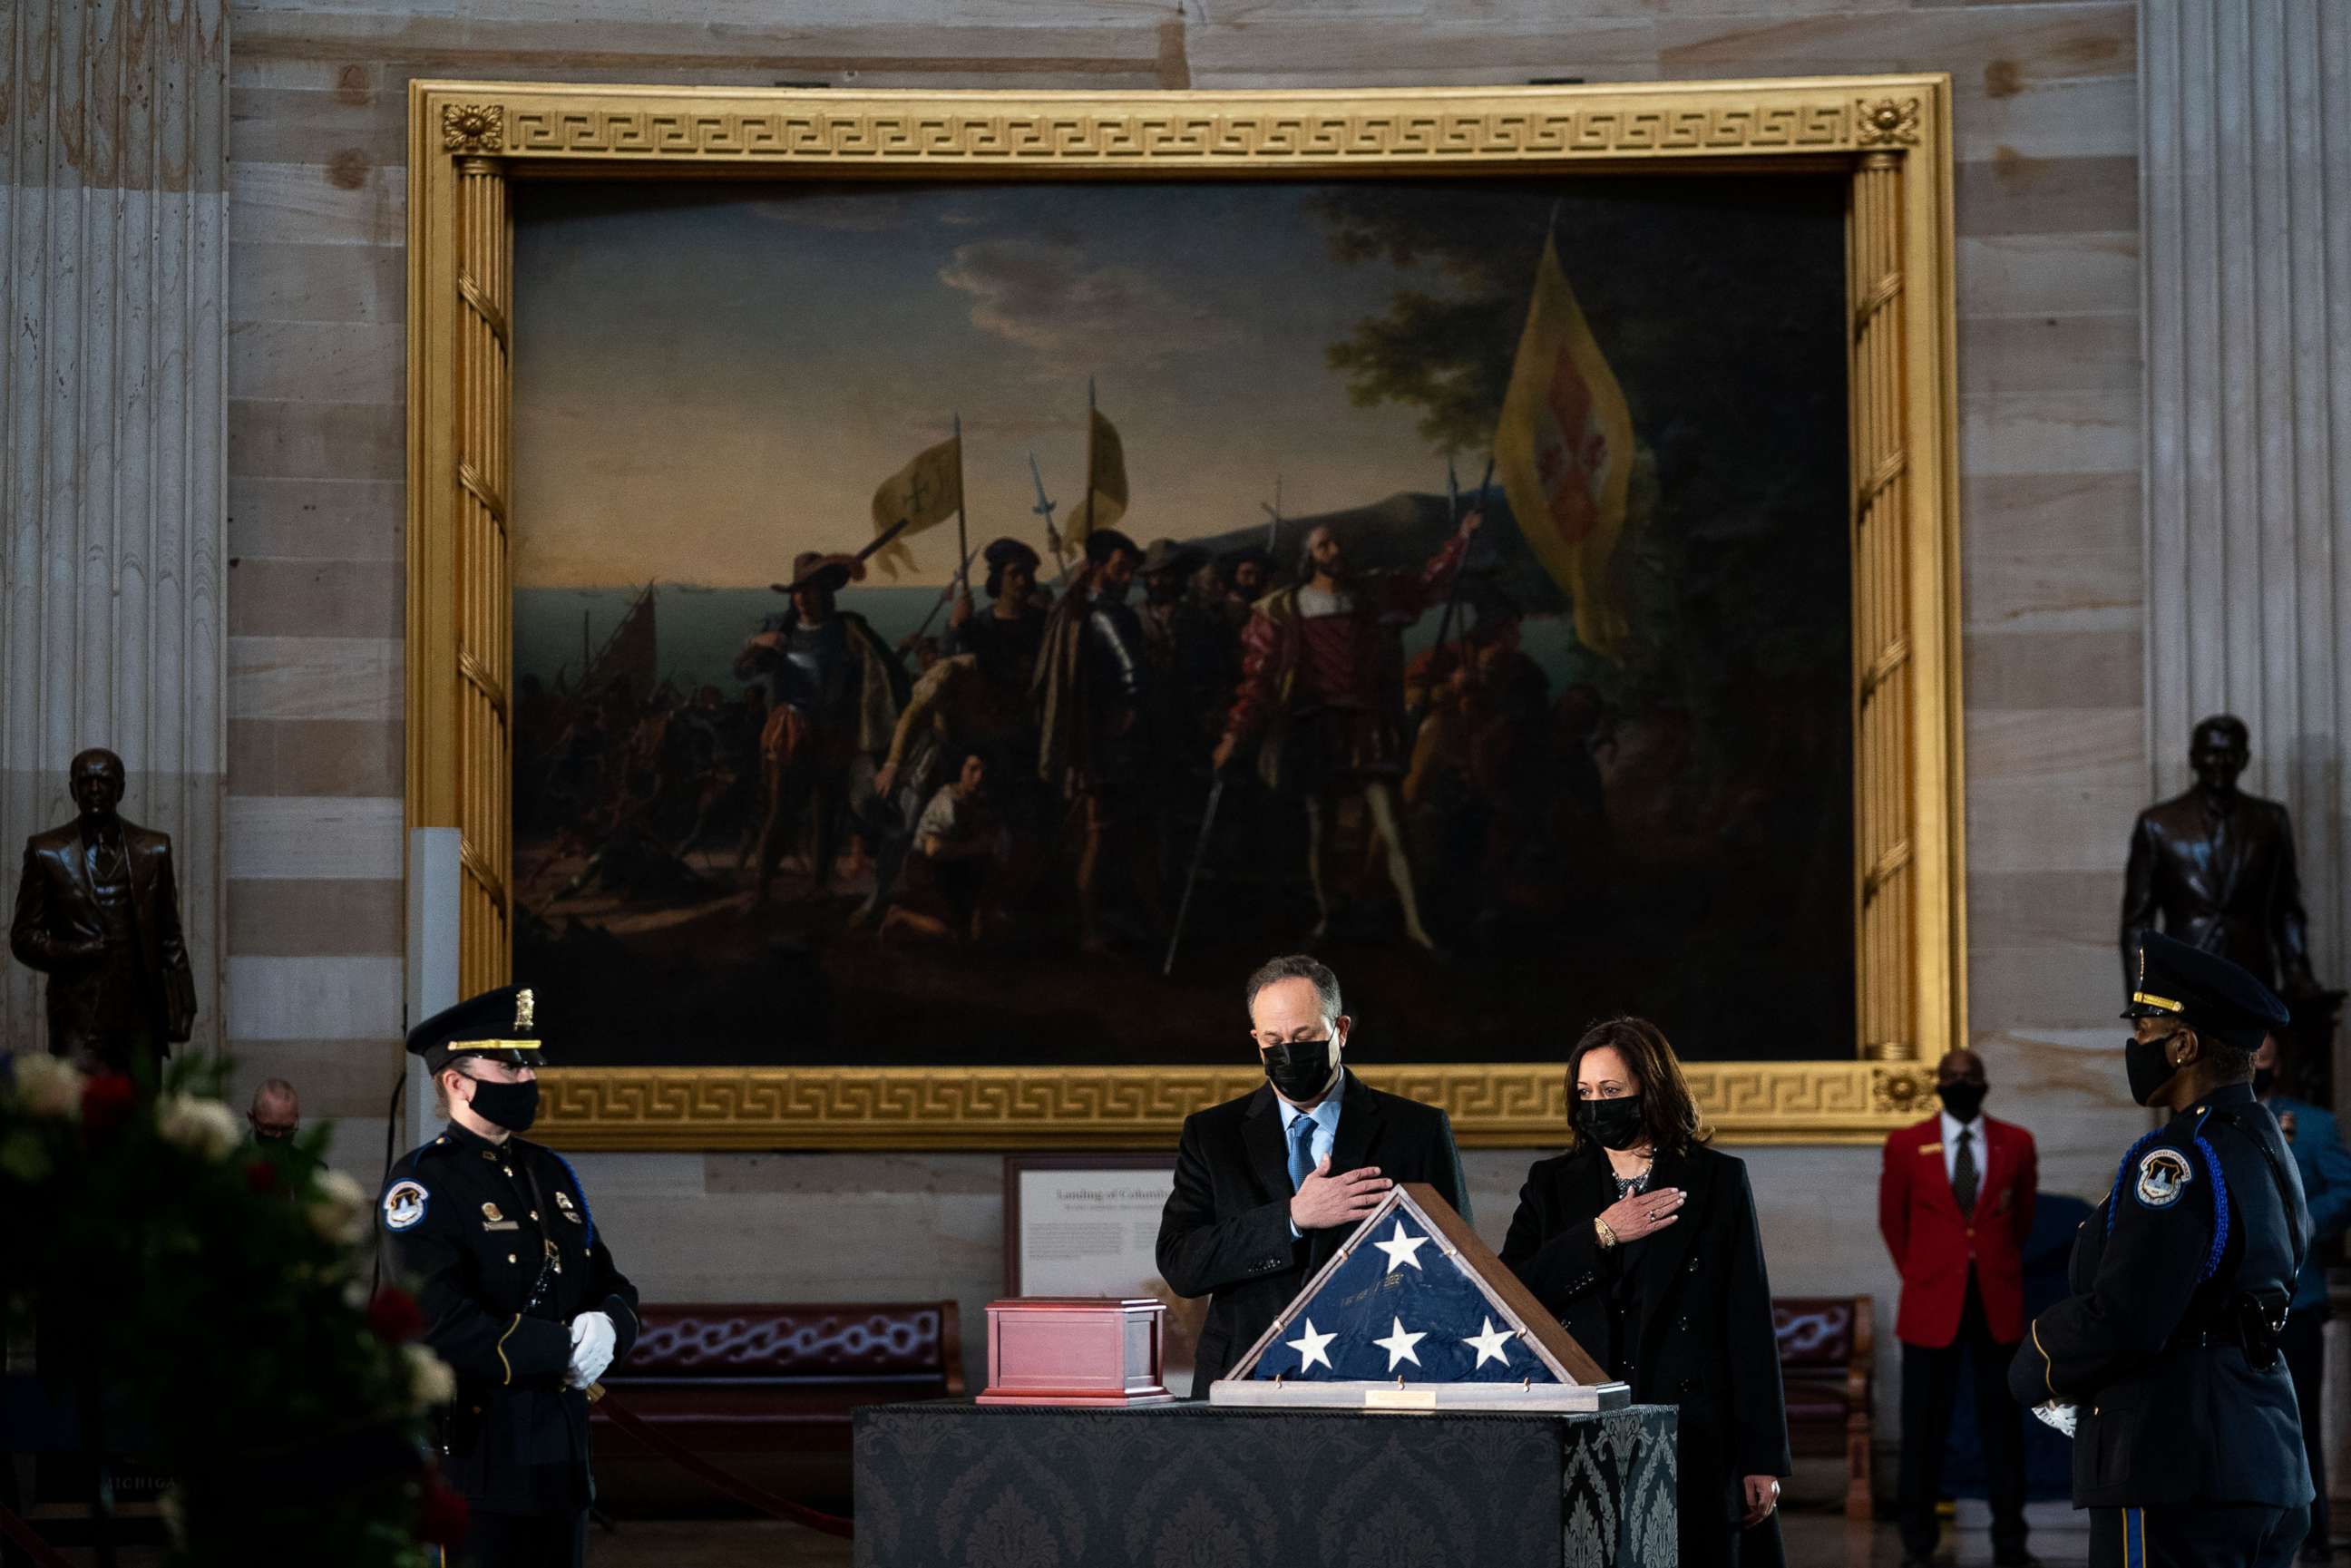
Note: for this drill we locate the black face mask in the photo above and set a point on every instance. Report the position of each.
(1299, 1067)
(1612, 1124)
(2147, 1067)
(262, 1135)
(1961, 1100)
(2264, 1080)
(513, 1106)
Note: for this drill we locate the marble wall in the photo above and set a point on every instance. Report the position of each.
(2048, 219)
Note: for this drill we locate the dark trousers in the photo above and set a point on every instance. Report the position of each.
(2205, 1535)
(1930, 1382)
(2305, 1345)
(523, 1540)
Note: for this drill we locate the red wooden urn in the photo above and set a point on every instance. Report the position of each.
(1075, 1350)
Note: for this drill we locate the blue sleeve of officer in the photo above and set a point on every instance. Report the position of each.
(2166, 1230)
(2328, 1192)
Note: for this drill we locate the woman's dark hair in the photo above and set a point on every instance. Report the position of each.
(1667, 1111)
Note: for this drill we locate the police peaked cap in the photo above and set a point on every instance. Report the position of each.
(497, 1024)
(2204, 991)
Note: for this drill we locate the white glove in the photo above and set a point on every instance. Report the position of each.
(2061, 1417)
(593, 1338)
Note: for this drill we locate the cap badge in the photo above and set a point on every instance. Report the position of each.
(522, 1013)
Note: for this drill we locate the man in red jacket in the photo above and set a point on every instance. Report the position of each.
(1955, 1204)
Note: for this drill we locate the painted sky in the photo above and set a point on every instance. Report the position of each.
(708, 382)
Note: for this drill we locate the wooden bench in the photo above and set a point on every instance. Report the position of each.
(764, 1391)
(1828, 1353)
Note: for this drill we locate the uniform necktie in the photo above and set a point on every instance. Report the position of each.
(1302, 1150)
(1963, 1172)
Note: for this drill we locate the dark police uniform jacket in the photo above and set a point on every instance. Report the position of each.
(2153, 1344)
(1225, 1232)
(465, 1226)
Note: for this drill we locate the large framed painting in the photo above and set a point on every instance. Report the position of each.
(913, 597)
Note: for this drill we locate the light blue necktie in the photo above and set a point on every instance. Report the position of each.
(1302, 1150)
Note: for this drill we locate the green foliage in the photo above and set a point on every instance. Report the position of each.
(210, 1298)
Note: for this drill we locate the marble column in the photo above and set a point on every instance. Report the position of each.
(113, 217)
(2245, 163)
(2246, 170)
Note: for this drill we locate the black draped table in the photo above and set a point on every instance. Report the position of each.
(955, 1485)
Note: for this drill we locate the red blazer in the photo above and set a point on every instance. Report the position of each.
(1933, 1243)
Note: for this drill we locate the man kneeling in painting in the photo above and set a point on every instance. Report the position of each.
(956, 844)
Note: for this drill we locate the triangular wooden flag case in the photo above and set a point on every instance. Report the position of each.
(1414, 1312)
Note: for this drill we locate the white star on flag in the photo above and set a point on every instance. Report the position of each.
(1489, 1343)
(1314, 1347)
(1400, 1249)
(1398, 1344)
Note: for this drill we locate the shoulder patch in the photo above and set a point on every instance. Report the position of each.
(404, 1203)
(2163, 1176)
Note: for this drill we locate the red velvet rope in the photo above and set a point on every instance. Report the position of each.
(17, 1530)
(742, 1491)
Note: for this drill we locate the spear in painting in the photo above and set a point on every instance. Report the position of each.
(1273, 520)
(1044, 508)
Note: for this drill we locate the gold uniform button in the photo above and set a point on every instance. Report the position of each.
(534, 1214)
(508, 1170)
(510, 1257)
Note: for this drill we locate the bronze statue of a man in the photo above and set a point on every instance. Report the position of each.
(99, 913)
(2217, 866)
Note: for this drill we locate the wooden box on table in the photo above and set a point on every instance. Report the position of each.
(1076, 1350)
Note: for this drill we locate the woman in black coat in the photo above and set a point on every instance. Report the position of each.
(1643, 1242)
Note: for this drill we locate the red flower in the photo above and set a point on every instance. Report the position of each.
(261, 1176)
(442, 1516)
(106, 1100)
(394, 1316)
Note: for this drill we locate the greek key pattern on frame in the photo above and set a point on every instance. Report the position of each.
(1023, 1107)
(1827, 125)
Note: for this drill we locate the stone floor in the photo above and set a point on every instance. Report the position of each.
(1814, 1540)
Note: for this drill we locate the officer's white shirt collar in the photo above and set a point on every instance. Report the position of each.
(1952, 1128)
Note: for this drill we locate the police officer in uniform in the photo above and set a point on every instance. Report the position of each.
(521, 1296)
(2188, 1443)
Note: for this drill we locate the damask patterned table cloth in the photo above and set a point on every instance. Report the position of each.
(949, 1484)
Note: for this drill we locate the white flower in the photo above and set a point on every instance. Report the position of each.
(340, 1213)
(47, 1086)
(204, 1127)
(429, 1381)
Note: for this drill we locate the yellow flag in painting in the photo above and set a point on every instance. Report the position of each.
(1565, 450)
(925, 493)
(1105, 480)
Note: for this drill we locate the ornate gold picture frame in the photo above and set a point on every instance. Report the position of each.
(1888, 136)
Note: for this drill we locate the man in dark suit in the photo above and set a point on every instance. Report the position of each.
(1268, 1186)
(2218, 866)
(99, 913)
(1954, 1205)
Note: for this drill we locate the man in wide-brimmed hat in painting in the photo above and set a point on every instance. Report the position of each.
(833, 693)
